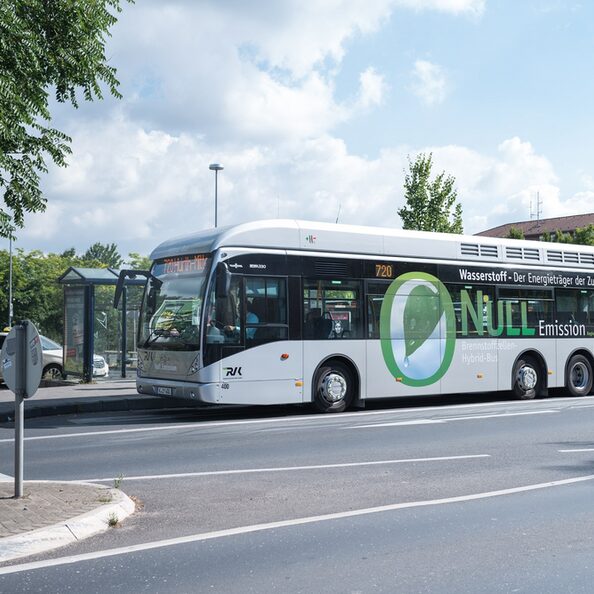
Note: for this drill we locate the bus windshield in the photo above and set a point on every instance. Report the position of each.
(172, 303)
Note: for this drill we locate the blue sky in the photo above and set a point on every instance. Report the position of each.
(316, 106)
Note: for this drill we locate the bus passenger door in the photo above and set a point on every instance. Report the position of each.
(268, 369)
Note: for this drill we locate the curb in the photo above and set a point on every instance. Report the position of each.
(68, 406)
(73, 530)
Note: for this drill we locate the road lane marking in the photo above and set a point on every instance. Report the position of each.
(316, 419)
(577, 450)
(287, 468)
(147, 546)
(448, 419)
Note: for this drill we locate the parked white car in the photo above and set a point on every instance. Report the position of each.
(53, 362)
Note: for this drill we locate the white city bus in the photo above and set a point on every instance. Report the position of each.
(283, 312)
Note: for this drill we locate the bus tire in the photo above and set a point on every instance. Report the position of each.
(334, 388)
(527, 380)
(579, 376)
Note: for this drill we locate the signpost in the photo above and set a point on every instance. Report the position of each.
(22, 364)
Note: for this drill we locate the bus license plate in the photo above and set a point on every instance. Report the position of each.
(163, 391)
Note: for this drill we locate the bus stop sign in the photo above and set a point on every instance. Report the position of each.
(22, 359)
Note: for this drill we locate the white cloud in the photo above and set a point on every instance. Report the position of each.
(137, 187)
(372, 88)
(252, 85)
(429, 82)
(472, 7)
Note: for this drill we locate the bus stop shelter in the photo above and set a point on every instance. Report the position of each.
(92, 325)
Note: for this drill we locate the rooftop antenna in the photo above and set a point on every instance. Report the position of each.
(338, 215)
(536, 215)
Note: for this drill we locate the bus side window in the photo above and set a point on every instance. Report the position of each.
(332, 309)
(375, 299)
(266, 310)
(224, 315)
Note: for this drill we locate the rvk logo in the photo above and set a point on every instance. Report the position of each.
(232, 371)
(311, 239)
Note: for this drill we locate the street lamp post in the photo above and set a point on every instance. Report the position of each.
(216, 167)
(10, 285)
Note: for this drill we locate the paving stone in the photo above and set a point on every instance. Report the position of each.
(44, 504)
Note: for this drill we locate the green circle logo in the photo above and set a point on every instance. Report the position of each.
(417, 329)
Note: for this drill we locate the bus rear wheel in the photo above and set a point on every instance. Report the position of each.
(527, 378)
(579, 376)
(334, 388)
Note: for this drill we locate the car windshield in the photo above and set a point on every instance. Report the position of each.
(172, 303)
(49, 345)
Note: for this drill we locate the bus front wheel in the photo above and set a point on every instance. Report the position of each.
(579, 376)
(334, 388)
(527, 378)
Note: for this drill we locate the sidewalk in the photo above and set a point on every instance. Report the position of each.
(53, 514)
(69, 398)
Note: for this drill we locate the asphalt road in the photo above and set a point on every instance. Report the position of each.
(485, 496)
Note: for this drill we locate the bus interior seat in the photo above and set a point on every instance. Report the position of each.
(323, 326)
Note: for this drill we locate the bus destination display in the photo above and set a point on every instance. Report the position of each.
(384, 271)
(185, 264)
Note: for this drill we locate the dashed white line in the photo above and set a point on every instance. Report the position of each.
(288, 468)
(448, 419)
(315, 420)
(281, 524)
(576, 450)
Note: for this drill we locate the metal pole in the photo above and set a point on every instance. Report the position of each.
(19, 409)
(216, 167)
(10, 285)
(216, 192)
(124, 330)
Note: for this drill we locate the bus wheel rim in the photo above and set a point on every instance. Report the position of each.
(527, 378)
(334, 387)
(579, 375)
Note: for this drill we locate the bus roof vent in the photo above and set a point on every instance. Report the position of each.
(476, 250)
(489, 251)
(513, 253)
(470, 249)
(587, 259)
(335, 268)
(531, 254)
(554, 256)
(572, 257)
(520, 253)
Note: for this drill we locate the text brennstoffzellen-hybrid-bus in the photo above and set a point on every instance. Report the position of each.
(276, 312)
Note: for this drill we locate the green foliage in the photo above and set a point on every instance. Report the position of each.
(100, 254)
(138, 262)
(38, 297)
(430, 204)
(56, 45)
(515, 233)
(584, 235)
(581, 236)
(36, 294)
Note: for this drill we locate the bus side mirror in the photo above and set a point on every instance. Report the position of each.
(222, 281)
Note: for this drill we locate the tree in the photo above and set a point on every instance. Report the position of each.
(139, 262)
(584, 235)
(45, 45)
(515, 233)
(430, 205)
(103, 254)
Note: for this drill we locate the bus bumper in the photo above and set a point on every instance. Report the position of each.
(208, 393)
